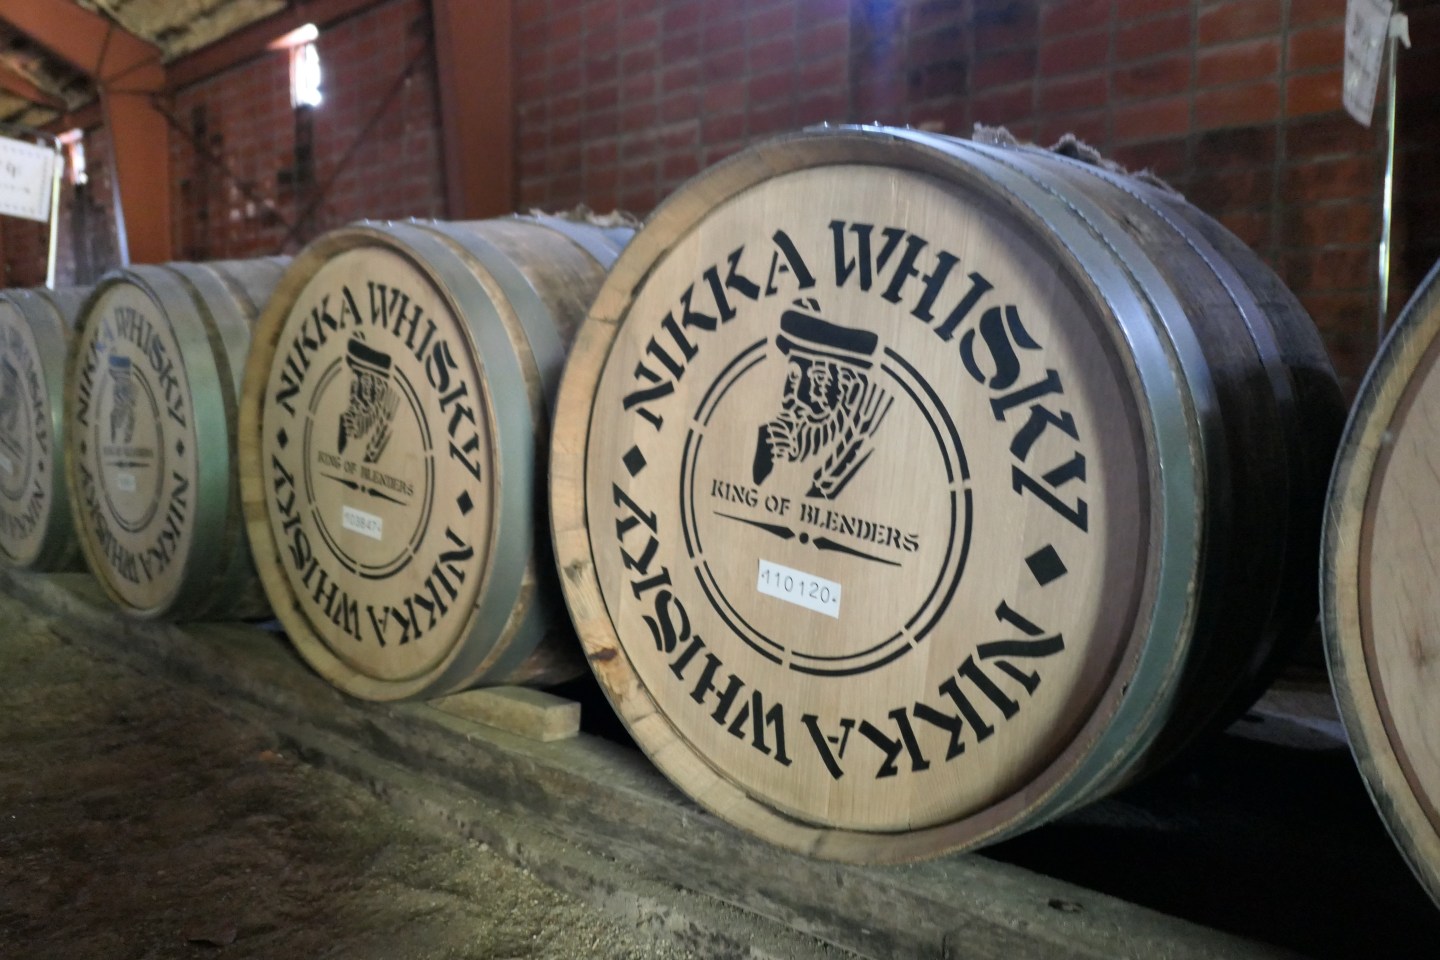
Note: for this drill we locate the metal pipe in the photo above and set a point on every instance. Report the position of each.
(1388, 202)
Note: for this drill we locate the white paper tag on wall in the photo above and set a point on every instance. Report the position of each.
(1367, 24)
(27, 173)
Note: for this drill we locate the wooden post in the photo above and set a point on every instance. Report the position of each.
(130, 74)
(474, 57)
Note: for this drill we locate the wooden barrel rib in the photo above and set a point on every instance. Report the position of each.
(1380, 608)
(394, 424)
(910, 491)
(151, 405)
(36, 529)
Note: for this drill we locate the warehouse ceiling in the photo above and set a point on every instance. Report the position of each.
(37, 87)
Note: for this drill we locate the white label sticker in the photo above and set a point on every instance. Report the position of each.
(365, 524)
(800, 588)
(1367, 24)
(6, 464)
(125, 482)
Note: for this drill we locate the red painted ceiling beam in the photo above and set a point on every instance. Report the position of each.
(129, 73)
(252, 41)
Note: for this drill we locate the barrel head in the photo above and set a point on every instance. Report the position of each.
(1381, 610)
(32, 359)
(133, 452)
(856, 495)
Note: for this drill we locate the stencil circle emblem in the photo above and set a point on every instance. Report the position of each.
(887, 387)
(846, 399)
(377, 463)
(19, 375)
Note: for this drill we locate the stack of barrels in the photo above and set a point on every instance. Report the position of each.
(905, 492)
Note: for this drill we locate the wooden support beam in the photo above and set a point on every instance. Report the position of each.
(253, 40)
(474, 65)
(129, 73)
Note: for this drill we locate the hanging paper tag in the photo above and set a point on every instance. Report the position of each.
(1367, 24)
(27, 175)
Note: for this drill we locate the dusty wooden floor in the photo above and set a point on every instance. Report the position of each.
(139, 821)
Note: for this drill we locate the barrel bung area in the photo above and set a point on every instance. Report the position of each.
(805, 479)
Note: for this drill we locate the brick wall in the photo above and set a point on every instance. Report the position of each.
(619, 101)
(1235, 102)
(253, 177)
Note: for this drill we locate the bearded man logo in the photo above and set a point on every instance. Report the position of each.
(122, 411)
(373, 400)
(830, 408)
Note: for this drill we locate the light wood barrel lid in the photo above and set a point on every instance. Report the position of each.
(35, 526)
(150, 409)
(857, 498)
(390, 423)
(1380, 606)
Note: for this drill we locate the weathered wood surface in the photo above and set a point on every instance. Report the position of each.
(533, 714)
(591, 794)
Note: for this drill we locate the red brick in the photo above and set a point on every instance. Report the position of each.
(1074, 93)
(822, 40)
(1347, 268)
(1315, 11)
(1150, 120)
(1316, 47)
(727, 95)
(1062, 17)
(823, 75)
(1074, 54)
(1237, 106)
(1238, 20)
(600, 153)
(1003, 68)
(637, 88)
(1154, 78)
(999, 25)
(1333, 134)
(822, 108)
(680, 46)
(1320, 224)
(1088, 127)
(680, 16)
(1313, 93)
(1253, 227)
(1135, 9)
(680, 167)
(1340, 179)
(680, 106)
(935, 45)
(772, 86)
(938, 80)
(1003, 107)
(1228, 148)
(776, 118)
(680, 136)
(1152, 38)
(1218, 192)
(1165, 158)
(1238, 62)
(770, 23)
(724, 34)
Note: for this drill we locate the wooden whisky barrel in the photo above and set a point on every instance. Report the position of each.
(1380, 608)
(36, 531)
(394, 419)
(911, 491)
(150, 408)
